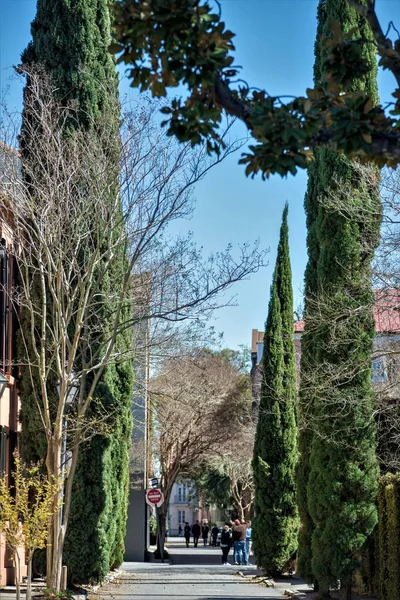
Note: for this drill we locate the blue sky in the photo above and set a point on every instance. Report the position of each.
(274, 42)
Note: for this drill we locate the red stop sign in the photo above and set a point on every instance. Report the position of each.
(154, 496)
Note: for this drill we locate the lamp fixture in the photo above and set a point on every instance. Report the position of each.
(72, 392)
(3, 384)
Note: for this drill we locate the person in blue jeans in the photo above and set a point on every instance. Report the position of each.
(239, 543)
(248, 540)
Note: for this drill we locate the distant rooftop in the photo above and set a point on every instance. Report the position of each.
(9, 159)
(386, 314)
(298, 326)
(4, 146)
(387, 311)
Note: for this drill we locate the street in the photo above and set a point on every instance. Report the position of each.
(193, 574)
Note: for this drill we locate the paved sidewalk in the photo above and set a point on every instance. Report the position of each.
(185, 584)
(195, 574)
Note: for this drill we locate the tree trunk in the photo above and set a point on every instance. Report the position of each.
(17, 564)
(29, 581)
(345, 590)
(59, 521)
(161, 525)
(56, 535)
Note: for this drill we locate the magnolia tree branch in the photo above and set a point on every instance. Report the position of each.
(165, 50)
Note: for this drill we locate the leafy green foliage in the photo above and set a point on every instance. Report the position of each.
(337, 476)
(97, 526)
(27, 503)
(214, 486)
(166, 44)
(185, 43)
(70, 40)
(304, 562)
(275, 525)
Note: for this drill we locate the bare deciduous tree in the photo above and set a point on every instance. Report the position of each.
(234, 463)
(197, 404)
(74, 223)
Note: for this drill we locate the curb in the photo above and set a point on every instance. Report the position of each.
(107, 579)
(294, 595)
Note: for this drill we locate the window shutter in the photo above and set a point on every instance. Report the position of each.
(3, 450)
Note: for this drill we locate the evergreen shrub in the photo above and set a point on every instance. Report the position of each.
(337, 477)
(276, 522)
(389, 537)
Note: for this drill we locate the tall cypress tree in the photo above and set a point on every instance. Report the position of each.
(337, 478)
(308, 362)
(70, 40)
(275, 524)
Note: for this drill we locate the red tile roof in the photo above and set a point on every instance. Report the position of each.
(8, 148)
(299, 326)
(386, 312)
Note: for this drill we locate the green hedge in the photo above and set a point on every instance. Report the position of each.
(380, 564)
(369, 571)
(389, 537)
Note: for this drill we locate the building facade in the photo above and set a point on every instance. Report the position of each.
(10, 404)
(186, 506)
(386, 312)
(183, 506)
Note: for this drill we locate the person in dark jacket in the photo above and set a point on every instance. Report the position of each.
(239, 543)
(214, 535)
(196, 530)
(204, 533)
(226, 543)
(186, 533)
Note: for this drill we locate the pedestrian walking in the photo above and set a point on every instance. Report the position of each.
(226, 543)
(239, 543)
(180, 531)
(196, 530)
(248, 541)
(186, 533)
(204, 533)
(214, 535)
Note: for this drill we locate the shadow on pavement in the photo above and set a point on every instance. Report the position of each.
(200, 556)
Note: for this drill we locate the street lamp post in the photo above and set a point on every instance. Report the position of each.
(72, 392)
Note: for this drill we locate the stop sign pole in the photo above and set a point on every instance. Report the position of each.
(155, 497)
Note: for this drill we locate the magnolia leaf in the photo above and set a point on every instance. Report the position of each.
(115, 48)
(307, 106)
(367, 138)
(369, 105)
